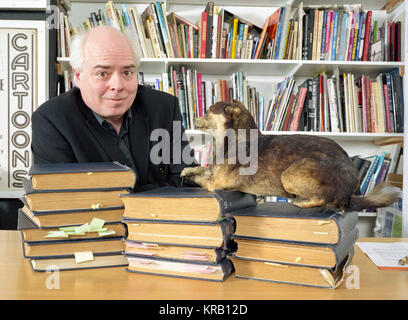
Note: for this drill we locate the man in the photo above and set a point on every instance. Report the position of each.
(108, 116)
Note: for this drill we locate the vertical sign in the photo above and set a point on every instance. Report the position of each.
(18, 99)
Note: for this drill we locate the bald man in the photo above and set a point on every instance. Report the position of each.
(109, 117)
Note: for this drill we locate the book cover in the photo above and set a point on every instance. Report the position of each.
(188, 204)
(184, 269)
(296, 253)
(80, 176)
(173, 252)
(284, 221)
(191, 233)
(301, 275)
(65, 264)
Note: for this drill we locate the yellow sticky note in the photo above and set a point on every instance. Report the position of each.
(83, 256)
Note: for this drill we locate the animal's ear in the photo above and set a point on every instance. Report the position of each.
(233, 111)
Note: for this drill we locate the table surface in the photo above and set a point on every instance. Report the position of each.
(18, 281)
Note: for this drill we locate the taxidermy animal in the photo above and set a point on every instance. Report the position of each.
(313, 171)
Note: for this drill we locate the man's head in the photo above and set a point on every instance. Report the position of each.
(105, 64)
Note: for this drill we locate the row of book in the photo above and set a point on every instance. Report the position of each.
(70, 221)
(196, 95)
(349, 35)
(338, 103)
(344, 33)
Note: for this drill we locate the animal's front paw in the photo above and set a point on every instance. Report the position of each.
(188, 173)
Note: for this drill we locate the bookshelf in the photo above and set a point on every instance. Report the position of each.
(264, 74)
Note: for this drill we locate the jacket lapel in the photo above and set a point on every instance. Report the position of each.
(139, 140)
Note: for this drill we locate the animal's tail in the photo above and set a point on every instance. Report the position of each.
(381, 196)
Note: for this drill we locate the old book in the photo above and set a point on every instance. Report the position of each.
(293, 274)
(181, 233)
(49, 219)
(85, 175)
(284, 221)
(183, 269)
(67, 248)
(296, 253)
(63, 264)
(184, 204)
(66, 201)
(206, 254)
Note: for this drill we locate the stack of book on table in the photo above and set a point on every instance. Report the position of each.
(280, 242)
(182, 232)
(71, 218)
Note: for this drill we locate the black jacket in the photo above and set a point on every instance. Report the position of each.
(64, 129)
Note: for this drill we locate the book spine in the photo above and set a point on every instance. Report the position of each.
(203, 34)
(334, 40)
(209, 29)
(234, 38)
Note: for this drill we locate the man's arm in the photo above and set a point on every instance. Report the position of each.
(48, 144)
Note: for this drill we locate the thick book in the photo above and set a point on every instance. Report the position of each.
(28, 219)
(284, 221)
(64, 264)
(292, 274)
(66, 201)
(81, 176)
(184, 269)
(184, 204)
(296, 253)
(205, 254)
(181, 233)
(68, 248)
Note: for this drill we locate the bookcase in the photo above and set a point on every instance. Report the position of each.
(265, 74)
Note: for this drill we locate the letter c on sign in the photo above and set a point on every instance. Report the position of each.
(14, 41)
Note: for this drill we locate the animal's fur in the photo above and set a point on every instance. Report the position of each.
(315, 171)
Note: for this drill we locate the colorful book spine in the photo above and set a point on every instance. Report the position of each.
(343, 39)
(335, 29)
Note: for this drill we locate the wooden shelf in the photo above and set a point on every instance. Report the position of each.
(344, 136)
(366, 4)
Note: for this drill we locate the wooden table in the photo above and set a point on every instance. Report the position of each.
(18, 281)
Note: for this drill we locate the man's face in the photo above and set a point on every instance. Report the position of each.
(108, 80)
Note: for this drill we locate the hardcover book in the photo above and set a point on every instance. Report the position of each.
(51, 219)
(67, 248)
(181, 232)
(68, 200)
(292, 274)
(81, 176)
(185, 269)
(63, 264)
(184, 204)
(284, 221)
(205, 254)
(295, 253)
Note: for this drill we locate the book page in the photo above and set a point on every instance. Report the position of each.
(385, 255)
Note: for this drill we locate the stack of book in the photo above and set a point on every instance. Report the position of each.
(182, 232)
(279, 242)
(71, 218)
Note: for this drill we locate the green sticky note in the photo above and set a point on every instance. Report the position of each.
(75, 233)
(83, 228)
(106, 233)
(99, 229)
(83, 256)
(67, 229)
(96, 223)
(56, 234)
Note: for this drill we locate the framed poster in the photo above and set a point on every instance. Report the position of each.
(23, 87)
